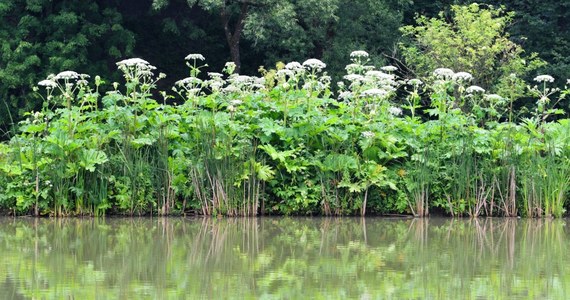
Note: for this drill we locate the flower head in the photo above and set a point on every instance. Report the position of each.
(188, 81)
(49, 84)
(374, 93)
(380, 75)
(368, 134)
(475, 89)
(493, 98)
(462, 77)
(294, 66)
(314, 64)
(544, 78)
(194, 56)
(353, 77)
(415, 82)
(359, 54)
(135, 62)
(388, 68)
(443, 73)
(66, 75)
(396, 111)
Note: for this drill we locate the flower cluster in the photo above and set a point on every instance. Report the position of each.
(313, 64)
(443, 73)
(544, 78)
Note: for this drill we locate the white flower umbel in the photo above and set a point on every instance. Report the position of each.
(388, 68)
(415, 82)
(493, 98)
(48, 84)
(236, 102)
(136, 68)
(195, 56)
(345, 95)
(395, 111)
(368, 134)
(313, 64)
(294, 66)
(138, 63)
(544, 78)
(188, 81)
(475, 89)
(443, 73)
(380, 75)
(359, 54)
(353, 77)
(214, 75)
(374, 93)
(67, 75)
(462, 77)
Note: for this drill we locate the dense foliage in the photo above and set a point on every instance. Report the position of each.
(285, 144)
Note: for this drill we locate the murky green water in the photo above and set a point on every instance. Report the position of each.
(285, 258)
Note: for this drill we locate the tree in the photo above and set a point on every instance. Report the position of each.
(473, 39)
(260, 20)
(44, 36)
(542, 27)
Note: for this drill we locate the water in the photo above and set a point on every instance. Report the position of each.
(284, 258)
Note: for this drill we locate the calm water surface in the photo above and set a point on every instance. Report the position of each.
(284, 258)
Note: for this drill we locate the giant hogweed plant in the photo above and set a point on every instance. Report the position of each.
(236, 145)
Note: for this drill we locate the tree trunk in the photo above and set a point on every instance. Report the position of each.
(233, 38)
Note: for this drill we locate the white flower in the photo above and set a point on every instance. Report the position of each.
(353, 77)
(236, 102)
(374, 93)
(352, 68)
(359, 54)
(475, 89)
(194, 56)
(215, 75)
(396, 111)
(368, 134)
(294, 66)
(241, 79)
(49, 84)
(415, 82)
(285, 73)
(231, 89)
(188, 81)
(462, 76)
(494, 97)
(345, 95)
(544, 78)
(139, 63)
(380, 75)
(567, 81)
(443, 73)
(314, 64)
(66, 75)
(388, 68)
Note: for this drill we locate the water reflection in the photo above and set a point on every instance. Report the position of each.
(287, 258)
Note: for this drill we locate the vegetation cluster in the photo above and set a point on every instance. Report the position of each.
(283, 143)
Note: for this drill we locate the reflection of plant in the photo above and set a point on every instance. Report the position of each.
(282, 258)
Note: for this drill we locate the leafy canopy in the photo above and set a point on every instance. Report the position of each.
(474, 40)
